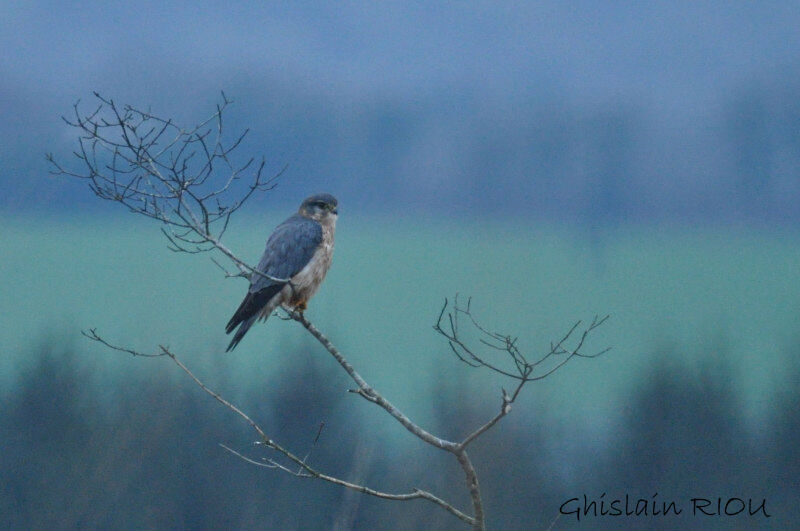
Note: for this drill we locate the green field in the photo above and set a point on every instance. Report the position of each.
(726, 296)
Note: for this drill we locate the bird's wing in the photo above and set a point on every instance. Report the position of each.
(289, 249)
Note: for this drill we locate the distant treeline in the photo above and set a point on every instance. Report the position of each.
(146, 455)
(526, 155)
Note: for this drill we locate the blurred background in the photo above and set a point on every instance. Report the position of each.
(553, 161)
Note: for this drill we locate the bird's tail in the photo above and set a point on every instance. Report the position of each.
(253, 305)
(243, 328)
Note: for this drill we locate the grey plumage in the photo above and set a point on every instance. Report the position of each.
(289, 249)
(299, 250)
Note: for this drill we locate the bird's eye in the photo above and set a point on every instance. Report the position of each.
(320, 204)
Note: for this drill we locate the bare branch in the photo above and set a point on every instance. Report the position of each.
(158, 169)
(473, 487)
(187, 180)
(92, 334)
(305, 470)
(364, 390)
(523, 370)
(368, 392)
(247, 459)
(308, 472)
(505, 409)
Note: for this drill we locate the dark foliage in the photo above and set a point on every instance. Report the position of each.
(150, 457)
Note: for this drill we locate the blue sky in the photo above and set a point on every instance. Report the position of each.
(579, 110)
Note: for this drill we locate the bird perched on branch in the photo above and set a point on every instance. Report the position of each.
(294, 264)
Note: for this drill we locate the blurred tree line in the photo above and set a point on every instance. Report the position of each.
(732, 156)
(147, 455)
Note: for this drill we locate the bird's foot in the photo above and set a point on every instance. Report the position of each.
(295, 311)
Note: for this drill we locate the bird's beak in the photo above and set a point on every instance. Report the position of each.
(335, 211)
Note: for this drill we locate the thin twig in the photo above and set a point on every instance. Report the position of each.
(305, 471)
(158, 169)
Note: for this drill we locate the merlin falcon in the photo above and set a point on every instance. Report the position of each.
(294, 264)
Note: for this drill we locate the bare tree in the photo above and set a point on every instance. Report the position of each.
(186, 179)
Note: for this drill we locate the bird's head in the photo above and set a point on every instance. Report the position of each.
(320, 207)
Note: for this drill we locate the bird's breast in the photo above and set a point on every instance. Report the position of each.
(306, 283)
